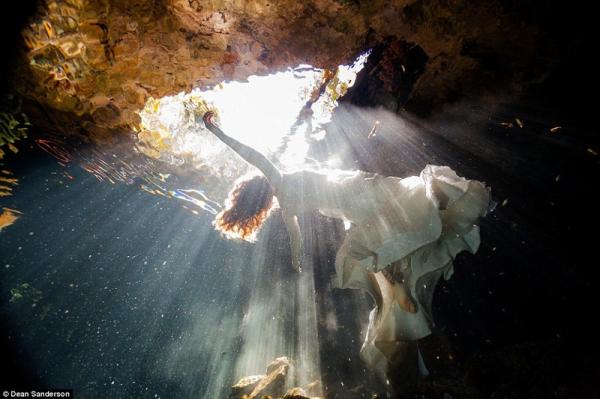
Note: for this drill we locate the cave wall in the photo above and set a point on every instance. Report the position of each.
(95, 63)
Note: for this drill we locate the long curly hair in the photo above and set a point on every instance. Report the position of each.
(247, 207)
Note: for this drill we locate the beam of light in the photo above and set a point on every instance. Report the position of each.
(280, 317)
(308, 368)
(261, 113)
(124, 272)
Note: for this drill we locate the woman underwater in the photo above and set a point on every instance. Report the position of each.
(404, 234)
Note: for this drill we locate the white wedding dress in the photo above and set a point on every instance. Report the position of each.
(419, 224)
(426, 221)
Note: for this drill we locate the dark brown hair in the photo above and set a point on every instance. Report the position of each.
(247, 207)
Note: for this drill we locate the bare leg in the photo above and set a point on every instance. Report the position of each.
(402, 296)
(404, 300)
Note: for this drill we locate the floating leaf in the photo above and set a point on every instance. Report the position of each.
(8, 217)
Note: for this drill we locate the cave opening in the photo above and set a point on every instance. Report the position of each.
(278, 114)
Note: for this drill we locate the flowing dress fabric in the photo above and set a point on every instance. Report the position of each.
(420, 225)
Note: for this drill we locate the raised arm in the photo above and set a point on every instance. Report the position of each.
(249, 154)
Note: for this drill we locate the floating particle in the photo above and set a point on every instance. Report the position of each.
(557, 178)
(507, 124)
(519, 122)
(591, 151)
(505, 202)
(374, 130)
(555, 129)
(163, 176)
(347, 224)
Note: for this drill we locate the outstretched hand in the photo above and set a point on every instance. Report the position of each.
(207, 118)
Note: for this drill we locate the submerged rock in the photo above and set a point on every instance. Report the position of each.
(296, 393)
(272, 384)
(246, 385)
(257, 386)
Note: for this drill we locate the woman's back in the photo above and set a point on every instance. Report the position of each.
(359, 197)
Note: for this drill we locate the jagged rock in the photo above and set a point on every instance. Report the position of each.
(314, 388)
(296, 393)
(271, 384)
(245, 386)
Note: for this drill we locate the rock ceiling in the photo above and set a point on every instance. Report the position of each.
(99, 61)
